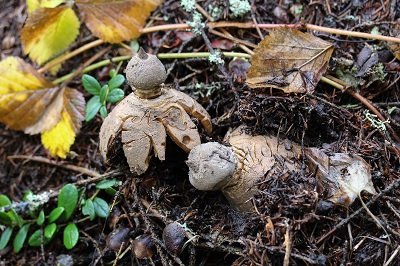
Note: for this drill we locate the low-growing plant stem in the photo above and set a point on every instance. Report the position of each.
(250, 25)
(161, 56)
(64, 57)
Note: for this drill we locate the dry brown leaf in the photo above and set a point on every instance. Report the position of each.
(395, 47)
(342, 176)
(116, 20)
(289, 60)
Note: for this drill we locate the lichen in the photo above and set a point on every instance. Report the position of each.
(239, 7)
(215, 11)
(196, 24)
(188, 5)
(216, 58)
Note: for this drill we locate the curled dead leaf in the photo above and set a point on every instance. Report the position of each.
(116, 20)
(342, 176)
(289, 60)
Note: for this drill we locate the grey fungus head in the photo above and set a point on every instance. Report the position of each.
(145, 72)
(211, 166)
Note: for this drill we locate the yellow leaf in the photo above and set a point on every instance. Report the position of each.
(35, 4)
(30, 103)
(289, 60)
(59, 139)
(116, 20)
(49, 31)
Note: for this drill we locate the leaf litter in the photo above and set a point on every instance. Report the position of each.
(319, 120)
(289, 60)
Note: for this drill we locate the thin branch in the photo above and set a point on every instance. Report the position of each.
(251, 25)
(376, 197)
(71, 167)
(160, 55)
(64, 57)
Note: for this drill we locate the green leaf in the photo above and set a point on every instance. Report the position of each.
(112, 73)
(88, 209)
(116, 81)
(100, 207)
(20, 237)
(5, 237)
(71, 236)
(5, 219)
(4, 200)
(134, 45)
(115, 95)
(49, 231)
(55, 214)
(103, 94)
(15, 217)
(103, 111)
(92, 107)
(68, 198)
(28, 195)
(41, 217)
(91, 84)
(110, 191)
(35, 240)
(106, 183)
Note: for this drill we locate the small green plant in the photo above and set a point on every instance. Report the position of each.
(39, 229)
(108, 93)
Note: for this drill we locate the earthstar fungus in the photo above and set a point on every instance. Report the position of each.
(144, 118)
(238, 168)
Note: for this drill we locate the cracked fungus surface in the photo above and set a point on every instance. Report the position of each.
(143, 125)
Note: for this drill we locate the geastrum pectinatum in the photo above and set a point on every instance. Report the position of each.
(144, 118)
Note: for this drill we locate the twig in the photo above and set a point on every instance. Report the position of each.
(64, 57)
(376, 197)
(96, 246)
(160, 55)
(250, 25)
(87, 63)
(71, 167)
(225, 33)
(288, 245)
(392, 257)
(330, 80)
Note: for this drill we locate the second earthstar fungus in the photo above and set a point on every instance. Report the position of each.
(237, 168)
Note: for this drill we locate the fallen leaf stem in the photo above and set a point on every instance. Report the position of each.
(64, 57)
(251, 25)
(161, 56)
